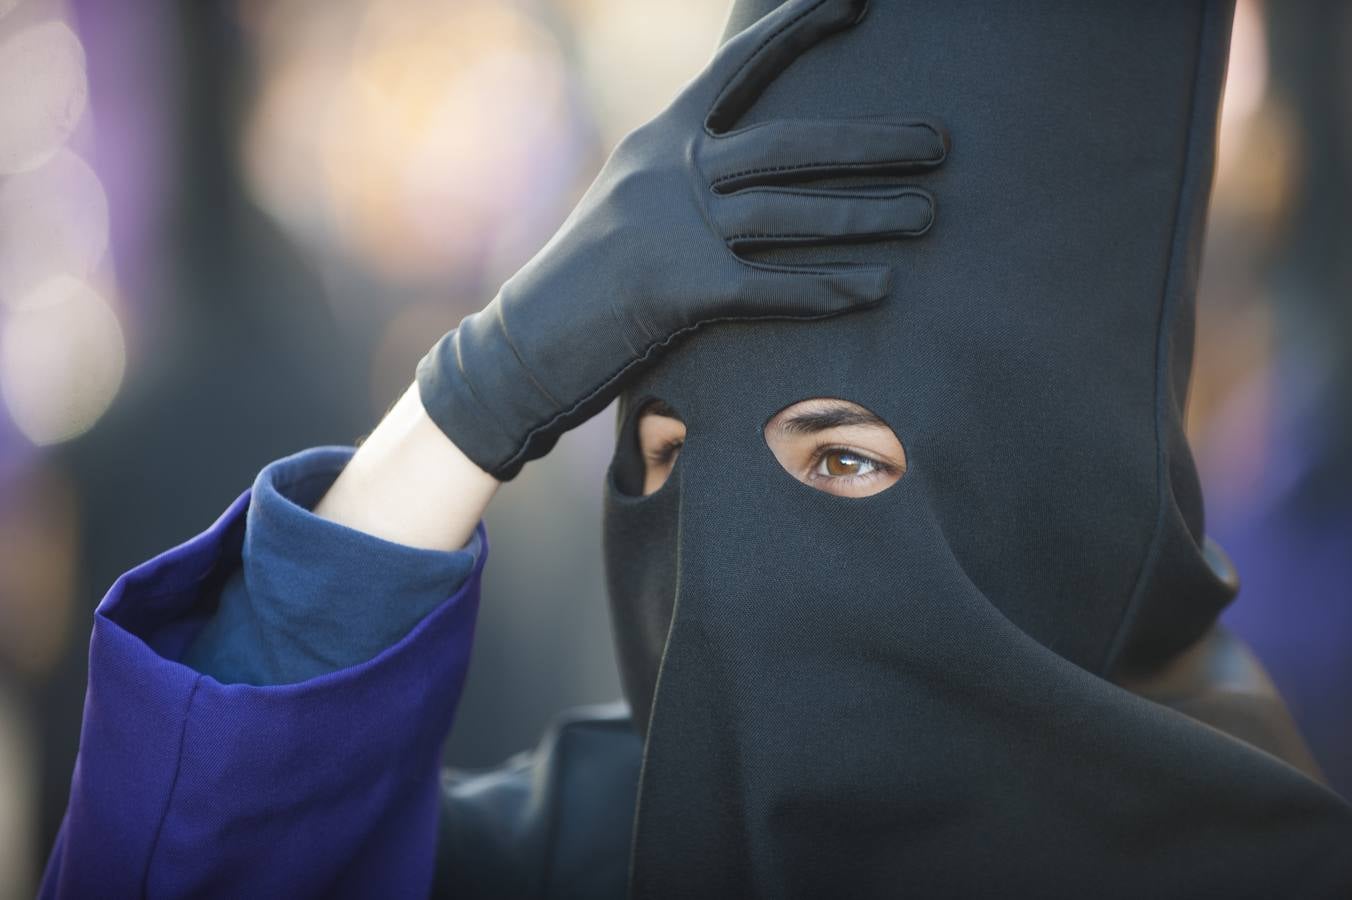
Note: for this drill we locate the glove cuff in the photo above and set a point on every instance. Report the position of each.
(473, 423)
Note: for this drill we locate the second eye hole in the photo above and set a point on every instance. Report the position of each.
(830, 444)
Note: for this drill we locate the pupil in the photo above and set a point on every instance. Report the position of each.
(842, 464)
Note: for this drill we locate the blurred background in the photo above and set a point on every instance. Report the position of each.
(228, 231)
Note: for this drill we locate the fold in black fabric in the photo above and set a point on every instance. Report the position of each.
(914, 693)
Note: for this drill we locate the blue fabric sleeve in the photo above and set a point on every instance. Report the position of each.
(313, 596)
(325, 787)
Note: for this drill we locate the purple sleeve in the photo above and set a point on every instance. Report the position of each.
(186, 786)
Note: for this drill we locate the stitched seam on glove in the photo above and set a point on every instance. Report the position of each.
(882, 232)
(828, 193)
(755, 53)
(877, 164)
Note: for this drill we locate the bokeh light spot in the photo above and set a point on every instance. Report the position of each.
(431, 138)
(53, 221)
(62, 357)
(36, 119)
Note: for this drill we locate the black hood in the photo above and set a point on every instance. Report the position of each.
(914, 692)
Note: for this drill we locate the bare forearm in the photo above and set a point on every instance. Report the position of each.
(408, 483)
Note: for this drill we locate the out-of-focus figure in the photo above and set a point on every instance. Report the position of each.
(1277, 454)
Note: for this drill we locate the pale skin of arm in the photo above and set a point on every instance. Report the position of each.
(409, 484)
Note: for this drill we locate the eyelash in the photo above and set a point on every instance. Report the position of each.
(665, 454)
(878, 469)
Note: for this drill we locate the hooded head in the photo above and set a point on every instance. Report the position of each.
(836, 691)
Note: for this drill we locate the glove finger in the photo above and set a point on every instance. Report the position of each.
(750, 60)
(761, 218)
(784, 151)
(809, 291)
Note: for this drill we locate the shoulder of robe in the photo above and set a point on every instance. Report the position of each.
(554, 821)
(1220, 682)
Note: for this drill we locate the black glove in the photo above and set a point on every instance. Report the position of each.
(650, 252)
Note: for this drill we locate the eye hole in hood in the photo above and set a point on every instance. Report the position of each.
(836, 446)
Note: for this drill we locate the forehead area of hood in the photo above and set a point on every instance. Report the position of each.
(1034, 351)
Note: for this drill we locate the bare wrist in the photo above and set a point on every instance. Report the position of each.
(408, 483)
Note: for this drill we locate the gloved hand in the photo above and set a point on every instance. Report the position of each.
(650, 252)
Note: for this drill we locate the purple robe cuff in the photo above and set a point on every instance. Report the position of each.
(186, 786)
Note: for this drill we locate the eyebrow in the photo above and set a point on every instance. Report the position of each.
(811, 422)
(658, 408)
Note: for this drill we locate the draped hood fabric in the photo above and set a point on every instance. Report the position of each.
(914, 693)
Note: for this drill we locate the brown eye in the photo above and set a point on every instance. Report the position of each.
(844, 464)
(836, 447)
